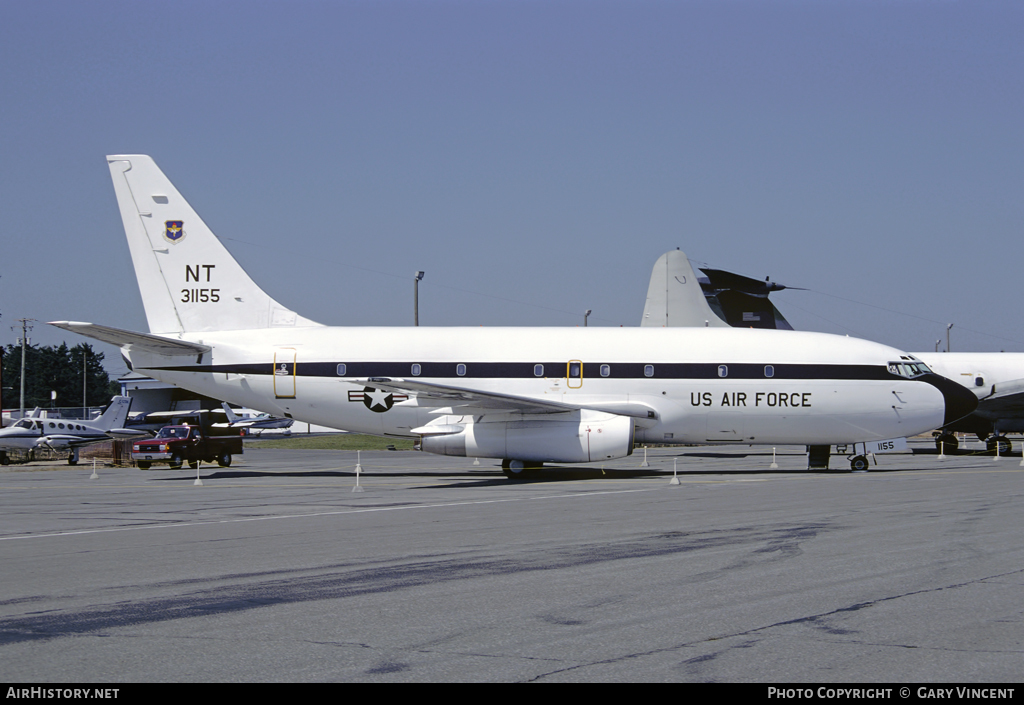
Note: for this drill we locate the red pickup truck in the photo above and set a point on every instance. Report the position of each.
(180, 444)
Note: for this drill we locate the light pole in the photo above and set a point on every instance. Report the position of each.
(947, 336)
(585, 317)
(416, 298)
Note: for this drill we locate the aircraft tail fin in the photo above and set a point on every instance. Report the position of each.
(674, 296)
(232, 416)
(188, 280)
(116, 413)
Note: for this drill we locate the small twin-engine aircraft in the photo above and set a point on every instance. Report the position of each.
(526, 396)
(257, 420)
(33, 432)
(997, 379)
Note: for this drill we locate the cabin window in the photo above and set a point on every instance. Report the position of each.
(53, 425)
(769, 371)
(575, 369)
(606, 370)
(342, 368)
(723, 371)
(460, 370)
(60, 425)
(416, 369)
(538, 370)
(648, 370)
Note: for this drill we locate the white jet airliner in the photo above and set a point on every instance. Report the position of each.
(523, 395)
(67, 434)
(676, 297)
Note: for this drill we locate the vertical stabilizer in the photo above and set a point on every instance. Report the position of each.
(115, 415)
(188, 280)
(674, 297)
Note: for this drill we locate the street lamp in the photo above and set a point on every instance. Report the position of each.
(947, 336)
(585, 317)
(416, 298)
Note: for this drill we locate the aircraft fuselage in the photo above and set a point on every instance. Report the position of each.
(718, 385)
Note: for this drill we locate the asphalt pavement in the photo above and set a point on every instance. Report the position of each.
(443, 570)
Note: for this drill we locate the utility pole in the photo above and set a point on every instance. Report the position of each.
(84, 378)
(25, 328)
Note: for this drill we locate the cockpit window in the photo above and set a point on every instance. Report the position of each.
(910, 370)
(24, 423)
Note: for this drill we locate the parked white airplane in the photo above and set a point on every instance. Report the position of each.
(255, 420)
(675, 298)
(67, 434)
(524, 395)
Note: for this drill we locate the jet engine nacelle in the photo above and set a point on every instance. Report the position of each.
(583, 438)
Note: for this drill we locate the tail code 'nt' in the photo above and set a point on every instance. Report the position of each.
(188, 280)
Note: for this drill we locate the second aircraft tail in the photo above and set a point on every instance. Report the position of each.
(188, 280)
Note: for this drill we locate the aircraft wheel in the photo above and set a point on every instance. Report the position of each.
(947, 442)
(859, 463)
(224, 460)
(71, 460)
(519, 469)
(3, 458)
(175, 461)
(143, 465)
(194, 464)
(1001, 441)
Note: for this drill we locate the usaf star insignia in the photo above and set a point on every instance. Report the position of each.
(376, 400)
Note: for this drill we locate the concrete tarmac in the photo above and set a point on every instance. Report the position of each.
(441, 570)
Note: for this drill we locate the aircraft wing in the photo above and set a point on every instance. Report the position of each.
(445, 395)
(124, 434)
(157, 344)
(57, 440)
(1006, 399)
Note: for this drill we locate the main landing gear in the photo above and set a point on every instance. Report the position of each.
(519, 469)
(1000, 442)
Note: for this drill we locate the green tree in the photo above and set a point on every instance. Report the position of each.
(56, 369)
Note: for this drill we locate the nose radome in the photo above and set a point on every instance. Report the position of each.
(960, 401)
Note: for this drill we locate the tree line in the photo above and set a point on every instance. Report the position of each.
(56, 369)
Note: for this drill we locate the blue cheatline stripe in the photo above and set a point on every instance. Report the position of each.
(591, 370)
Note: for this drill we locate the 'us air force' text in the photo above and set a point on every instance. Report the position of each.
(199, 296)
(787, 399)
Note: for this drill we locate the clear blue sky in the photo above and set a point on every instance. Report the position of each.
(534, 158)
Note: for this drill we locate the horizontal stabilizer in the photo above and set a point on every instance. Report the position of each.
(156, 344)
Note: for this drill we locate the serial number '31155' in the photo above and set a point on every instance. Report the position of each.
(200, 296)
